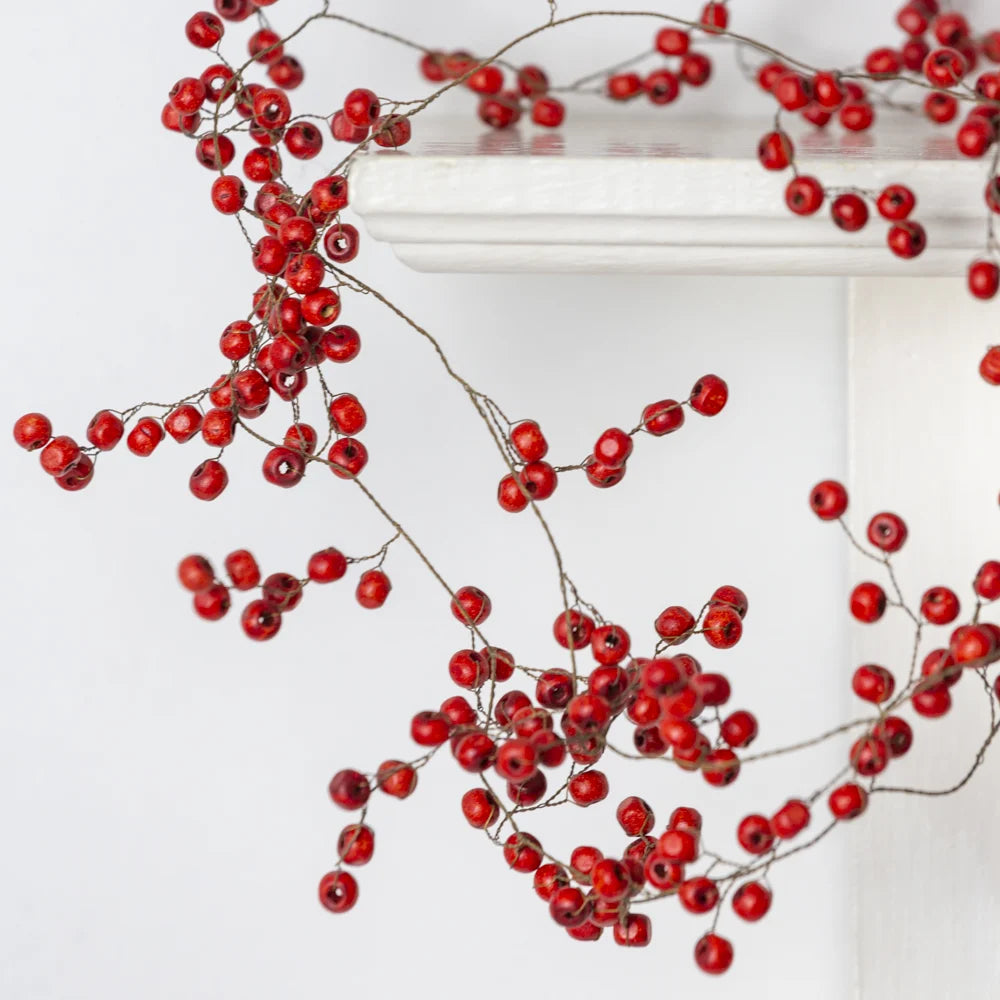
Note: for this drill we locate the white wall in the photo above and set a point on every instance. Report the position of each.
(163, 779)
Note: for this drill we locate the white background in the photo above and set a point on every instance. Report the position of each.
(163, 779)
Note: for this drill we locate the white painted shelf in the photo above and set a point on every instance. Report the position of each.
(659, 194)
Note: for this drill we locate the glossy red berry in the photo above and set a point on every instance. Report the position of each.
(613, 448)
(873, 683)
(848, 801)
(361, 106)
(751, 901)
(887, 532)
(105, 430)
(522, 852)
(722, 626)
(338, 891)
(828, 500)
(983, 279)
(987, 581)
(739, 729)
(939, 605)
(204, 30)
(775, 151)
(471, 606)
(944, 67)
(709, 395)
(674, 623)
(397, 779)
(792, 818)
(635, 932)
(356, 844)
(144, 437)
(849, 212)
(755, 834)
(208, 480)
(895, 733)
(32, 431)
(868, 602)
(373, 589)
(349, 789)
(714, 954)
(347, 457)
(663, 417)
(573, 628)
(635, 816)
(896, 202)
(588, 787)
(907, 239)
(804, 195)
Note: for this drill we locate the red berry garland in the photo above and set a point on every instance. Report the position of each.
(677, 710)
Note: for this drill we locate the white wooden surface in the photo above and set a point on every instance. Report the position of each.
(923, 437)
(675, 195)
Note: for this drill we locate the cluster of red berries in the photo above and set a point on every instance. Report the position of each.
(500, 105)
(279, 592)
(663, 85)
(947, 66)
(516, 737)
(534, 479)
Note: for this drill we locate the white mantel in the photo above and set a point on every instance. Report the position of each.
(664, 194)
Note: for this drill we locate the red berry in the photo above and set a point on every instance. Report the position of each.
(635, 932)
(548, 112)
(775, 151)
(144, 437)
(204, 30)
(868, 602)
(624, 86)
(804, 195)
(939, 605)
(907, 239)
(208, 480)
(471, 606)
(349, 789)
(195, 573)
(392, 131)
(613, 448)
(105, 430)
(698, 895)
(635, 816)
(792, 91)
(588, 787)
(361, 106)
(397, 779)
(714, 954)
(944, 67)
(672, 41)
(828, 500)
(895, 733)
(662, 87)
(709, 395)
(573, 628)
(751, 901)
(33, 431)
(754, 834)
(849, 212)
(896, 202)
(327, 565)
(373, 589)
(356, 844)
(848, 801)
(522, 852)
(338, 891)
(714, 16)
(792, 818)
(347, 457)
(989, 367)
(722, 626)
(873, 683)
(721, 767)
(887, 532)
(663, 417)
(983, 279)
(987, 581)
(739, 729)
